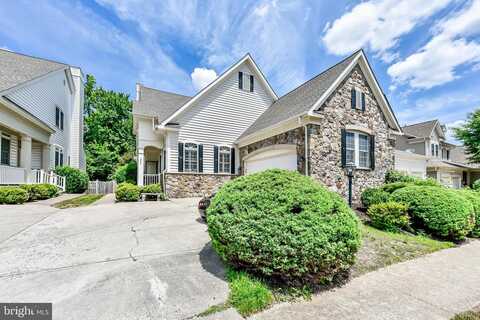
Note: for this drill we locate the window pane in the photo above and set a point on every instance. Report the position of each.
(350, 146)
(224, 160)
(5, 152)
(191, 157)
(364, 148)
(246, 82)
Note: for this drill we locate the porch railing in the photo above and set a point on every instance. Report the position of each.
(12, 175)
(152, 179)
(42, 176)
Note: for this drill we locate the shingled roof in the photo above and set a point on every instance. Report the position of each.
(16, 68)
(301, 99)
(420, 130)
(158, 103)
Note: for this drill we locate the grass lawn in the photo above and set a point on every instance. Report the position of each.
(80, 201)
(468, 315)
(379, 249)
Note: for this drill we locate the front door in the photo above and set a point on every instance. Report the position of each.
(151, 167)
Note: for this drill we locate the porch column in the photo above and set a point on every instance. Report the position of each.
(26, 156)
(46, 151)
(140, 166)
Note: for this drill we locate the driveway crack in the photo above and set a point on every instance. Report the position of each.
(137, 242)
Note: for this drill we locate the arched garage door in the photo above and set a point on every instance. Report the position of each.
(278, 156)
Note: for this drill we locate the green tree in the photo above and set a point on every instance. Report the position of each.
(469, 134)
(108, 137)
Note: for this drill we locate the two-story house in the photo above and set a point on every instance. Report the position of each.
(423, 151)
(41, 117)
(238, 125)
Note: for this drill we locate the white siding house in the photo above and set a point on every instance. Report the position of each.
(41, 117)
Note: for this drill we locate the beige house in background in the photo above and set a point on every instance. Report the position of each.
(41, 118)
(424, 152)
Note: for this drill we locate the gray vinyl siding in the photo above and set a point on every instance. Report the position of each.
(41, 97)
(401, 143)
(13, 150)
(36, 155)
(219, 118)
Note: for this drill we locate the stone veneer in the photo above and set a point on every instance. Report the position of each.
(324, 139)
(184, 185)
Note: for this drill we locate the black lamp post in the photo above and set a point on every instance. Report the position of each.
(350, 169)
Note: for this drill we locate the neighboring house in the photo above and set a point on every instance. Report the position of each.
(424, 152)
(237, 125)
(41, 117)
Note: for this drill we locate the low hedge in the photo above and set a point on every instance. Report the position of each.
(151, 188)
(13, 195)
(474, 198)
(440, 211)
(282, 224)
(476, 185)
(127, 192)
(371, 196)
(76, 181)
(40, 191)
(393, 176)
(389, 216)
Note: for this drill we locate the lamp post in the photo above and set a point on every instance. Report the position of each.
(350, 168)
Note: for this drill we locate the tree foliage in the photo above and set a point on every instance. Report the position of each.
(108, 137)
(469, 134)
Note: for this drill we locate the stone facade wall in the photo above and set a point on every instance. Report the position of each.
(324, 140)
(293, 137)
(184, 185)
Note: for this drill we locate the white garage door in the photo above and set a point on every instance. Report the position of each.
(284, 157)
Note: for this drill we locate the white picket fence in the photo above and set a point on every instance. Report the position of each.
(101, 187)
(152, 179)
(42, 176)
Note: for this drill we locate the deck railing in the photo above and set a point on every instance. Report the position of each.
(12, 175)
(42, 176)
(151, 179)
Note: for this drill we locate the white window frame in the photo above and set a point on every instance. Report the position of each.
(246, 82)
(185, 144)
(356, 139)
(61, 160)
(224, 166)
(8, 137)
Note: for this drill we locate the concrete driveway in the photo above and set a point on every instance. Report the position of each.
(110, 261)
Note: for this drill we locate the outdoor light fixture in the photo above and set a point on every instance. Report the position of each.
(350, 169)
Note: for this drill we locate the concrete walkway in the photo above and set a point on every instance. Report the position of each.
(436, 286)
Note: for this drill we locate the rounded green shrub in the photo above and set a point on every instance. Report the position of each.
(474, 198)
(126, 173)
(76, 181)
(282, 224)
(393, 176)
(151, 188)
(127, 192)
(389, 216)
(13, 195)
(476, 185)
(391, 187)
(440, 211)
(371, 196)
(40, 191)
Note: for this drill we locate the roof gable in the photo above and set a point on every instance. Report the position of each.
(247, 59)
(18, 69)
(421, 130)
(310, 96)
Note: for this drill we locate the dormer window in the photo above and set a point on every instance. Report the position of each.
(245, 81)
(357, 100)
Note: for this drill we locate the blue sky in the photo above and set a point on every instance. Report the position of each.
(426, 54)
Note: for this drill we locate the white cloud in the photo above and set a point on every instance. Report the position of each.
(221, 32)
(378, 25)
(450, 135)
(435, 63)
(201, 77)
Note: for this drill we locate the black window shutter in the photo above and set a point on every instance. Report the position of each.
(354, 99)
(372, 152)
(200, 158)
(363, 101)
(56, 158)
(344, 148)
(61, 120)
(251, 83)
(180, 157)
(232, 160)
(57, 117)
(61, 158)
(240, 80)
(215, 159)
